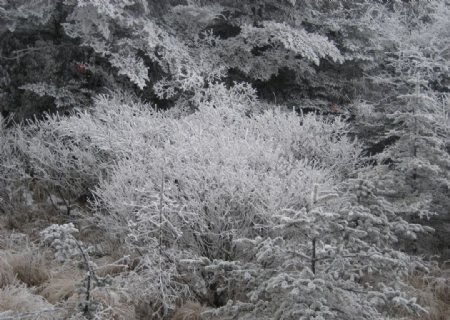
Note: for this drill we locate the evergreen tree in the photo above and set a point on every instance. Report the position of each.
(413, 117)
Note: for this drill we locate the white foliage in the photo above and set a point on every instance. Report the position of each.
(222, 198)
(311, 46)
(60, 237)
(253, 208)
(63, 97)
(131, 66)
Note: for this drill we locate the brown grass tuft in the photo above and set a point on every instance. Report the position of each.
(104, 243)
(119, 305)
(6, 273)
(57, 290)
(116, 305)
(15, 301)
(433, 292)
(111, 269)
(189, 311)
(29, 268)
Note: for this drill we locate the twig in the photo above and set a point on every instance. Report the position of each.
(91, 273)
(313, 258)
(161, 208)
(51, 199)
(23, 52)
(67, 204)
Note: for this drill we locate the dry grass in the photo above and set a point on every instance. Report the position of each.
(6, 273)
(111, 270)
(104, 243)
(62, 285)
(30, 220)
(433, 292)
(14, 241)
(63, 292)
(29, 267)
(114, 268)
(15, 301)
(189, 311)
(58, 290)
(115, 305)
(118, 305)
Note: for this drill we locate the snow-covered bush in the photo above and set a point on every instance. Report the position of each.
(226, 198)
(41, 154)
(232, 196)
(60, 238)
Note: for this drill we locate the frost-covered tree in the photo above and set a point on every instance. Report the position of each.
(40, 70)
(165, 52)
(413, 116)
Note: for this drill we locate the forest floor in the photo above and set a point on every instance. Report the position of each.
(32, 279)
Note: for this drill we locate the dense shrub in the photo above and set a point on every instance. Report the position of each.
(229, 197)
